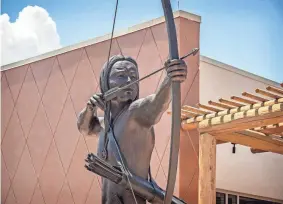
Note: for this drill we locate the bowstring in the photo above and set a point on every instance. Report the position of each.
(108, 112)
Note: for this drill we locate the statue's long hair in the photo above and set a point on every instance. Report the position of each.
(104, 86)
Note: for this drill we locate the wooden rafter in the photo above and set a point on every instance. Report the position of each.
(242, 120)
(256, 151)
(209, 108)
(252, 139)
(255, 121)
(271, 129)
(254, 97)
(266, 93)
(188, 113)
(220, 105)
(195, 110)
(231, 114)
(231, 103)
(275, 90)
(243, 100)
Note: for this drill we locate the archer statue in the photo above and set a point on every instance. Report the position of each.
(126, 132)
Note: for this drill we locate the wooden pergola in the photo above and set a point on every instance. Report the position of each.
(253, 120)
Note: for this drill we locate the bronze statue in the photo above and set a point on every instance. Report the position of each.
(126, 133)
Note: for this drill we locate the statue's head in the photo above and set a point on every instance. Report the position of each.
(121, 70)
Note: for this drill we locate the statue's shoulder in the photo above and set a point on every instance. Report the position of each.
(142, 102)
(136, 104)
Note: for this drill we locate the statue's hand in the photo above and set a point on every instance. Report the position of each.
(96, 101)
(176, 70)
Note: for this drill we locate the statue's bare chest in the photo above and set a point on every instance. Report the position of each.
(135, 141)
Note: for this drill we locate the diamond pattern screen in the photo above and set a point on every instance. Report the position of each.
(42, 151)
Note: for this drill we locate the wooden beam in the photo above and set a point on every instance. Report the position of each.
(192, 122)
(220, 142)
(275, 90)
(243, 100)
(208, 108)
(256, 151)
(195, 110)
(252, 139)
(266, 93)
(254, 97)
(274, 129)
(231, 103)
(207, 169)
(243, 120)
(220, 105)
(248, 119)
(189, 113)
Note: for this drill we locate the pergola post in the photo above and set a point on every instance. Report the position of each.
(207, 169)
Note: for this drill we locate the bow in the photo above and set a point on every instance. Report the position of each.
(176, 104)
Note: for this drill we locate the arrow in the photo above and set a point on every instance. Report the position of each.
(112, 93)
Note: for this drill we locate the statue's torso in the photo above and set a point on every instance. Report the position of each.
(136, 143)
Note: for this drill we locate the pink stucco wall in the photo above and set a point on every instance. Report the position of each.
(43, 152)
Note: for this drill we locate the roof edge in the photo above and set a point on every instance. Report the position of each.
(238, 71)
(144, 25)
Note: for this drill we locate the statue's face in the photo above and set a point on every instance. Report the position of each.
(123, 73)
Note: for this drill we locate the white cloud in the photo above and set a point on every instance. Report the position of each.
(33, 33)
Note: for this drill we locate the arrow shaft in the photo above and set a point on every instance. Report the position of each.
(109, 95)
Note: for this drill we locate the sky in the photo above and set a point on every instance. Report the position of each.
(247, 34)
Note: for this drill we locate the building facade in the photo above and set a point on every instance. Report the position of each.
(240, 173)
(43, 153)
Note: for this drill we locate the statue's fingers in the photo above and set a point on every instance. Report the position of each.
(177, 67)
(174, 62)
(177, 73)
(93, 101)
(95, 97)
(89, 104)
(99, 101)
(178, 78)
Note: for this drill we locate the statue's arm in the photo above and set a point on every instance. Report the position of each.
(149, 110)
(88, 123)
